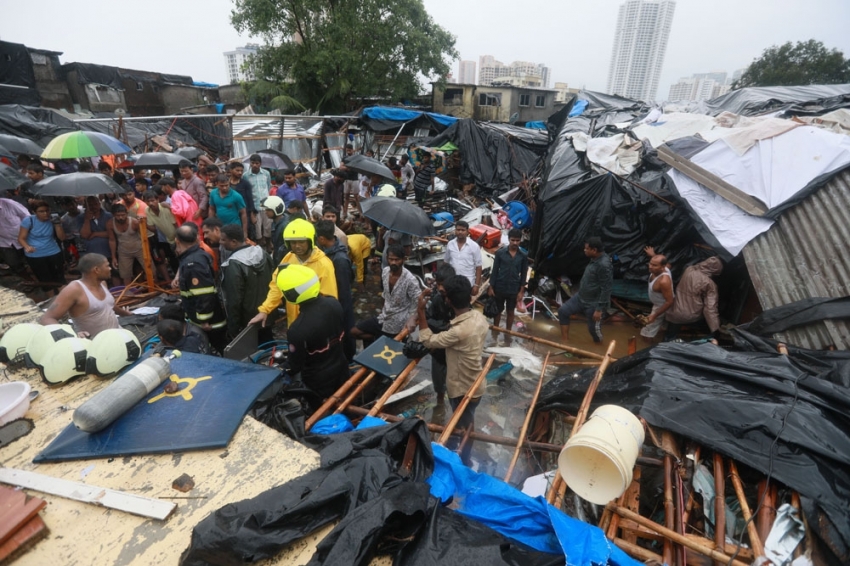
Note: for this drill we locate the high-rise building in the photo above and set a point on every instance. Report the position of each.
(640, 42)
(466, 72)
(235, 60)
(490, 70)
(699, 86)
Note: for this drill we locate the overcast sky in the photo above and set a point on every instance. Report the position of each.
(573, 39)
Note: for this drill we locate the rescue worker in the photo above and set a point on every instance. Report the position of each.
(275, 209)
(197, 288)
(299, 236)
(315, 339)
(338, 254)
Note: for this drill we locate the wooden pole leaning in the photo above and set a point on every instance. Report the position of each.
(458, 413)
(343, 389)
(527, 421)
(581, 416)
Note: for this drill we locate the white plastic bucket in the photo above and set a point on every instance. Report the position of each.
(597, 462)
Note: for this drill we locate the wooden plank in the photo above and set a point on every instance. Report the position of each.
(632, 503)
(712, 182)
(16, 509)
(128, 502)
(33, 531)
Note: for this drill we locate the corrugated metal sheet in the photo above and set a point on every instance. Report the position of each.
(806, 254)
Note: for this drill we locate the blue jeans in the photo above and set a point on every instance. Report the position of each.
(574, 306)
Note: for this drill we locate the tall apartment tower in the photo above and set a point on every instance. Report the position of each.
(466, 72)
(640, 42)
(233, 61)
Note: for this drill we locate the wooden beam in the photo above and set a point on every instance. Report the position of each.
(712, 182)
(128, 502)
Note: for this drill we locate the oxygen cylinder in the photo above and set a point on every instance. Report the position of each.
(106, 406)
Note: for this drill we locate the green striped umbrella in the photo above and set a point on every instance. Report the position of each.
(83, 144)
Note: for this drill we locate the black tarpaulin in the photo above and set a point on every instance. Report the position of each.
(793, 100)
(89, 73)
(495, 157)
(16, 65)
(19, 95)
(38, 124)
(770, 412)
(626, 217)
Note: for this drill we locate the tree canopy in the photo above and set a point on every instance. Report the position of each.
(805, 63)
(330, 54)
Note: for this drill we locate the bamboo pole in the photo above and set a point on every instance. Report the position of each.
(394, 386)
(465, 401)
(755, 541)
(127, 288)
(676, 537)
(559, 486)
(669, 519)
(343, 389)
(525, 424)
(574, 363)
(357, 391)
(719, 505)
(691, 500)
(564, 347)
(638, 552)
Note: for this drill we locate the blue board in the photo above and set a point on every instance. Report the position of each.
(384, 356)
(205, 412)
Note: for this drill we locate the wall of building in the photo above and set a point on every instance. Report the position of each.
(177, 97)
(143, 97)
(94, 98)
(454, 100)
(50, 81)
(468, 101)
(531, 112)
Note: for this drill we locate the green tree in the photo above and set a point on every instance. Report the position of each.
(805, 63)
(334, 53)
(265, 95)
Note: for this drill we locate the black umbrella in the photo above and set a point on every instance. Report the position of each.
(368, 166)
(189, 152)
(10, 178)
(272, 159)
(398, 215)
(76, 185)
(17, 144)
(159, 160)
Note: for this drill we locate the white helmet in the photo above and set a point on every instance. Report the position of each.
(45, 338)
(112, 350)
(66, 359)
(275, 204)
(386, 191)
(13, 344)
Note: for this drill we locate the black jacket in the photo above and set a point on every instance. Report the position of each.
(197, 288)
(245, 277)
(315, 345)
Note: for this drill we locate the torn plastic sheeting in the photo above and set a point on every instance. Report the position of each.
(799, 313)
(494, 157)
(794, 100)
(625, 217)
(391, 114)
(510, 512)
(609, 102)
(38, 124)
(614, 154)
(578, 108)
(787, 532)
(736, 403)
(355, 467)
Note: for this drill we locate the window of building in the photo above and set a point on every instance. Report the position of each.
(525, 100)
(490, 99)
(540, 101)
(453, 97)
(140, 86)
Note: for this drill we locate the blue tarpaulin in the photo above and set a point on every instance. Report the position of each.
(578, 108)
(539, 125)
(387, 113)
(213, 396)
(530, 520)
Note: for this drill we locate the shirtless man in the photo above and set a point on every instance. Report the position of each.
(87, 301)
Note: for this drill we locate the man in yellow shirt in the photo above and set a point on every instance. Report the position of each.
(299, 236)
(359, 250)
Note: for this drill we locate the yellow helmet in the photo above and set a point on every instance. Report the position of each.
(300, 229)
(297, 283)
(275, 204)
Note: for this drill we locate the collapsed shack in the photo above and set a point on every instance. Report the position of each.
(782, 417)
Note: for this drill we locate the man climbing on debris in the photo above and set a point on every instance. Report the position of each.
(244, 281)
(464, 344)
(660, 293)
(594, 293)
(507, 279)
(87, 301)
(696, 298)
(196, 281)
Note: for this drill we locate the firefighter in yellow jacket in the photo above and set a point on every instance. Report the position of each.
(299, 236)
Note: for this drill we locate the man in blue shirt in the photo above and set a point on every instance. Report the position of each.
(246, 191)
(228, 205)
(291, 190)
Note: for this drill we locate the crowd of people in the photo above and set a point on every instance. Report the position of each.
(238, 245)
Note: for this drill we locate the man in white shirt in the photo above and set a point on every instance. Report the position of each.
(407, 175)
(465, 256)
